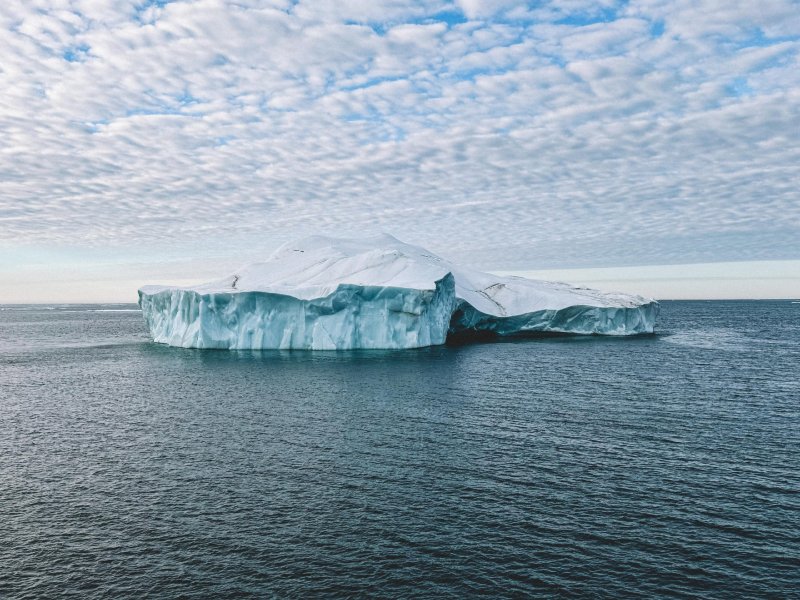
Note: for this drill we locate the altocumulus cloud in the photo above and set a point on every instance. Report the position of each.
(516, 136)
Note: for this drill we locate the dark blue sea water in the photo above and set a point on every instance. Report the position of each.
(658, 466)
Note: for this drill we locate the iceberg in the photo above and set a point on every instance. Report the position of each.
(323, 293)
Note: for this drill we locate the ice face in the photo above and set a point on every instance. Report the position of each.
(325, 293)
(352, 316)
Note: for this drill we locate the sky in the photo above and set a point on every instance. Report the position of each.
(147, 141)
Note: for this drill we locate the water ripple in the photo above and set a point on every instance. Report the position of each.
(664, 466)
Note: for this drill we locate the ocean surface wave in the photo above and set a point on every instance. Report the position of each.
(656, 466)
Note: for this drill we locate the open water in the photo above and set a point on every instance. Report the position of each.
(656, 466)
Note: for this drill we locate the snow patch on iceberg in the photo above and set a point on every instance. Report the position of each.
(325, 293)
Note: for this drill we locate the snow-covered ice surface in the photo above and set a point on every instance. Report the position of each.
(326, 293)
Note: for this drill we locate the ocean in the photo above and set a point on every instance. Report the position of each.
(655, 466)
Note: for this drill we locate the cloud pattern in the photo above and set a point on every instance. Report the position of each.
(555, 134)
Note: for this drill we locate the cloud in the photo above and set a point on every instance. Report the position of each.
(475, 9)
(571, 133)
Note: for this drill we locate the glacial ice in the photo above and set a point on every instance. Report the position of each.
(323, 293)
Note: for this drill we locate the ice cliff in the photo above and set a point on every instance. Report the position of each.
(326, 293)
